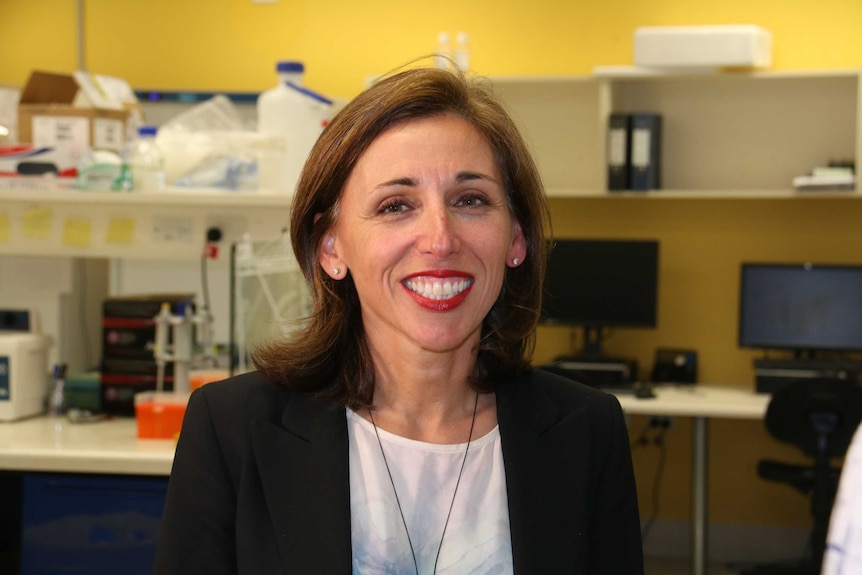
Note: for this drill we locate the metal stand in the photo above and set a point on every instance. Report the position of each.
(184, 349)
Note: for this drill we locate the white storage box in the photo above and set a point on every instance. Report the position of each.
(703, 46)
(24, 374)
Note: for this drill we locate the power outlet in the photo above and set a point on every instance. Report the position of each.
(173, 229)
(232, 228)
(661, 422)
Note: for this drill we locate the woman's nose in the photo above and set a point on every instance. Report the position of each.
(440, 236)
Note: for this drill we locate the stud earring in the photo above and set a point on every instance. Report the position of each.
(515, 261)
(336, 271)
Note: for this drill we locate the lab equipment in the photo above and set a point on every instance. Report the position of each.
(178, 341)
(269, 296)
(23, 365)
(56, 401)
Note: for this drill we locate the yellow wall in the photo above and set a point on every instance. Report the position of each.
(703, 242)
(233, 44)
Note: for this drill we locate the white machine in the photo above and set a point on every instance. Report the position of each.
(24, 369)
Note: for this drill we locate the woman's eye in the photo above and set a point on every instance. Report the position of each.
(471, 201)
(394, 207)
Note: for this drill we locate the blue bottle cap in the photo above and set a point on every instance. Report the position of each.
(147, 130)
(290, 66)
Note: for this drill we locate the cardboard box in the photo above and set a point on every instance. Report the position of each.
(61, 109)
(722, 46)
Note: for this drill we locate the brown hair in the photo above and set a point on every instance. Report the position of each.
(329, 356)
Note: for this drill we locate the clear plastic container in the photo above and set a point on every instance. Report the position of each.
(296, 116)
(147, 162)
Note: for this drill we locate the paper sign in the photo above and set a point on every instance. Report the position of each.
(36, 223)
(77, 232)
(120, 231)
(108, 134)
(61, 130)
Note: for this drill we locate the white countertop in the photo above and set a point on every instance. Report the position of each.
(57, 445)
(700, 400)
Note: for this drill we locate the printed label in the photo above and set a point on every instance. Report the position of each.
(108, 134)
(640, 148)
(61, 130)
(5, 389)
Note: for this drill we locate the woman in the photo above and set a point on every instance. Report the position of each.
(404, 431)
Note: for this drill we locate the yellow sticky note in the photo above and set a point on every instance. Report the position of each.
(120, 231)
(4, 227)
(77, 232)
(36, 223)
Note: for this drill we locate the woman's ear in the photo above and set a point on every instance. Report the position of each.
(329, 259)
(518, 249)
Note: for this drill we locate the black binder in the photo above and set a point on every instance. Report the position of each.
(645, 171)
(619, 151)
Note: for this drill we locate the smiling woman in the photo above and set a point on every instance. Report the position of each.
(424, 210)
(404, 430)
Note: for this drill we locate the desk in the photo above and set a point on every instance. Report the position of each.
(54, 444)
(700, 402)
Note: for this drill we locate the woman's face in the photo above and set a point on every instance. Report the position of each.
(425, 230)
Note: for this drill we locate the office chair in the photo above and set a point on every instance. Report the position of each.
(818, 416)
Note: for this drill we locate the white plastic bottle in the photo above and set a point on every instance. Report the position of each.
(147, 162)
(462, 52)
(443, 54)
(295, 116)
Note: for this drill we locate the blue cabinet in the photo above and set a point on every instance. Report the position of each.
(90, 525)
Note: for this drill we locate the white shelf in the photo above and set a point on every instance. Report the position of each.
(725, 134)
(704, 194)
(170, 197)
(629, 72)
(170, 225)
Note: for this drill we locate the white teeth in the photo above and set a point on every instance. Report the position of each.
(437, 289)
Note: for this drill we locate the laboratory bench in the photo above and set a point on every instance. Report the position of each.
(53, 465)
(80, 497)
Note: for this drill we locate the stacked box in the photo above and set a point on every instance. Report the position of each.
(128, 340)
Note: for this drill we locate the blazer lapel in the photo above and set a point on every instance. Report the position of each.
(545, 479)
(304, 472)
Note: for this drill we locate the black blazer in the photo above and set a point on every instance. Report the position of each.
(260, 482)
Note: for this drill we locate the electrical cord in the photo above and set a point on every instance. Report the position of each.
(205, 291)
(661, 444)
(643, 440)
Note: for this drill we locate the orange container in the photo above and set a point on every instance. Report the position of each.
(160, 415)
(201, 377)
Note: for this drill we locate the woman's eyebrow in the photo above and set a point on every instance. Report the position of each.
(412, 182)
(468, 176)
(405, 181)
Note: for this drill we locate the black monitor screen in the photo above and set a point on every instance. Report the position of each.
(602, 283)
(803, 307)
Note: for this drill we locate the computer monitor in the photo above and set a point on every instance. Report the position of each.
(596, 284)
(807, 308)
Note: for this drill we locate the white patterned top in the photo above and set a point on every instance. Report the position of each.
(477, 539)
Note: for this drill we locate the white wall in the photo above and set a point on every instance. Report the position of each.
(66, 295)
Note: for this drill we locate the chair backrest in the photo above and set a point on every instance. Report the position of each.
(819, 416)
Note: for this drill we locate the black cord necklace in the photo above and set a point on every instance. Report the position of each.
(451, 504)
